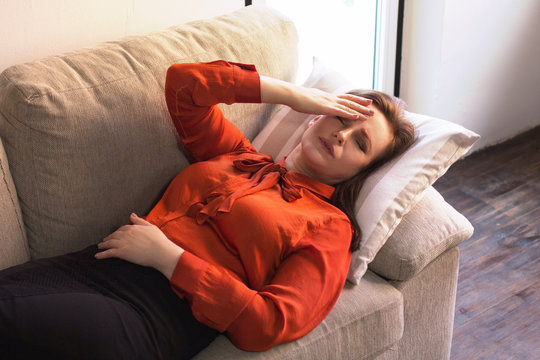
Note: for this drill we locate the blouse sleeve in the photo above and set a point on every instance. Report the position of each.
(304, 289)
(192, 92)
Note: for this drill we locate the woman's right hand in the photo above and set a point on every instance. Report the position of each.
(314, 101)
(141, 243)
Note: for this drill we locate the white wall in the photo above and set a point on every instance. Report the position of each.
(474, 62)
(32, 29)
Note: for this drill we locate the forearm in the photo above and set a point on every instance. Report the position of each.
(274, 91)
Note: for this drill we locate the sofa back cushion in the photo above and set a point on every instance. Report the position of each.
(14, 248)
(88, 135)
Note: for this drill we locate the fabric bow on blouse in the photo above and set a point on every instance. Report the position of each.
(265, 174)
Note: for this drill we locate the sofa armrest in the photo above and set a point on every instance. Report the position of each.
(428, 230)
(13, 245)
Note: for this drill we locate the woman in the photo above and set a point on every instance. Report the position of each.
(237, 244)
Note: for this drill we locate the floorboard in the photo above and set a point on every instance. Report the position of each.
(498, 297)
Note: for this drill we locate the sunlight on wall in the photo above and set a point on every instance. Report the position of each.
(339, 32)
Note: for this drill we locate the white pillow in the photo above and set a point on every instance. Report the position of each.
(390, 192)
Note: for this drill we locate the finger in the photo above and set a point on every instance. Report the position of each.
(109, 243)
(113, 235)
(357, 103)
(347, 112)
(121, 229)
(136, 220)
(110, 253)
(357, 99)
(358, 108)
(106, 238)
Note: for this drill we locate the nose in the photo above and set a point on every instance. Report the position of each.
(343, 135)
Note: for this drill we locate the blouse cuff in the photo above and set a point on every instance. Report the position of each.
(187, 274)
(247, 84)
(216, 298)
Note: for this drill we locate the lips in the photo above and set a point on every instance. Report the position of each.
(327, 146)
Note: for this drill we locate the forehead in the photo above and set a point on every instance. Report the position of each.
(379, 131)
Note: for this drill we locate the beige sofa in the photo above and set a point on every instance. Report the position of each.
(86, 139)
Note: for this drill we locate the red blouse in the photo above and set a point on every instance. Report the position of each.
(266, 256)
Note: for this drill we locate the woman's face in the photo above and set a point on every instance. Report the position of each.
(335, 149)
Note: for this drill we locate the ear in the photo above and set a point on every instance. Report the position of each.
(312, 121)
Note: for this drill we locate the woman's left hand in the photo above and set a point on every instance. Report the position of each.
(141, 243)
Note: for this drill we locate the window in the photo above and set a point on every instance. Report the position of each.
(355, 37)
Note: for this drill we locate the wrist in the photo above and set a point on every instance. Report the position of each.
(167, 263)
(274, 91)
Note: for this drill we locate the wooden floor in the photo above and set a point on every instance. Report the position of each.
(498, 295)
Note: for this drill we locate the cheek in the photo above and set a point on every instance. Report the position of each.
(353, 161)
(310, 151)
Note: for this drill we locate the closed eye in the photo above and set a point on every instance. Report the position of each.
(364, 142)
(361, 145)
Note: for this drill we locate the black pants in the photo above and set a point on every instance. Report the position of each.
(76, 307)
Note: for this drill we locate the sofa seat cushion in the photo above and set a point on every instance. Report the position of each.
(367, 318)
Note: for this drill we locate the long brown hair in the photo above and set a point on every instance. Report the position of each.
(346, 192)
